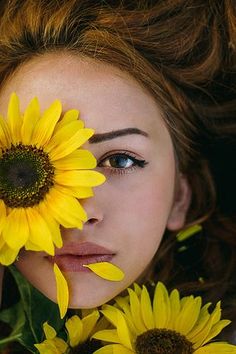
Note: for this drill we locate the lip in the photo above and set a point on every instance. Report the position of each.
(72, 256)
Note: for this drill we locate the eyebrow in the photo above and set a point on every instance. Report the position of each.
(98, 138)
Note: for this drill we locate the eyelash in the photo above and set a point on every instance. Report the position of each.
(137, 163)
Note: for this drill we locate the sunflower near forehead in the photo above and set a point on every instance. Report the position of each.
(43, 174)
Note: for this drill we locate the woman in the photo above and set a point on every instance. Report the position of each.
(141, 76)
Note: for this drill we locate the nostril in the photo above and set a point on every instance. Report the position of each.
(92, 221)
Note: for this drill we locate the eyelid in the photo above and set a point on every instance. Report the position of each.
(120, 152)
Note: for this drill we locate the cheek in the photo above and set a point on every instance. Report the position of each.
(139, 210)
(38, 272)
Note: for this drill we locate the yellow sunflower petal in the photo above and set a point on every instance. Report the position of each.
(16, 229)
(110, 312)
(66, 209)
(78, 159)
(69, 116)
(135, 308)
(30, 118)
(7, 255)
(62, 291)
(30, 246)
(189, 315)
(40, 234)
(106, 270)
(137, 289)
(216, 329)
(114, 349)
(161, 306)
(201, 322)
(217, 348)
(63, 134)
(216, 314)
(119, 349)
(14, 118)
(49, 331)
(75, 328)
(52, 346)
(46, 124)
(77, 192)
(47, 348)
(123, 303)
(146, 309)
(61, 345)
(3, 215)
(174, 308)
(89, 323)
(123, 331)
(107, 335)
(80, 178)
(5, 136)
(67, 147)
(53, 226)
(2, 242)
(202, 336)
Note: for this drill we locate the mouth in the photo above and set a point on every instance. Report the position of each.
(73, 256)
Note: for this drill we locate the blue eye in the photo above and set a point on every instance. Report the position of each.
(118, 161)
(121, 162)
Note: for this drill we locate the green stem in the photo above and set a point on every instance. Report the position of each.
(10, 339)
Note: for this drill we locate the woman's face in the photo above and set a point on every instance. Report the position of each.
(143, 193)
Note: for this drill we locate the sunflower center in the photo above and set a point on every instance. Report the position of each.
(88, 347)
(162, 341)
(26, 175)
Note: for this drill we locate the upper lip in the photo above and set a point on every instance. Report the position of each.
(82, 249)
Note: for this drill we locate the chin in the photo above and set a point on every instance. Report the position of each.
(75, 304)
(92, 291)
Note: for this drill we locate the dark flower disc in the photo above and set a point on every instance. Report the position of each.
(26, 175)
(162, 341)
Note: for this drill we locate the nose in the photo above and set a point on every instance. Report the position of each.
(95, 217)
(93, 210)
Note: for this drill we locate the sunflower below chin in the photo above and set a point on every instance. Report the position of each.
(43, 173)
(166, 325)
(78, 341)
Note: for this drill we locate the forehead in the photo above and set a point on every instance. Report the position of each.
(105, 95)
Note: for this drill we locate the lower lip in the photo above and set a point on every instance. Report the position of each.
(72, 263)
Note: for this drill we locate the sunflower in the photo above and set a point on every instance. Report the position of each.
(43, 173)
(166, 325)
(78, 336)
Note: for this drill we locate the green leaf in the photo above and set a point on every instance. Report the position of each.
(15, 318)
(37, 309)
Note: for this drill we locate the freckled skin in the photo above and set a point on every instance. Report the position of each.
(131, 210)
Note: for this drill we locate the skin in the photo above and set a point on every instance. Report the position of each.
(131, 210)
